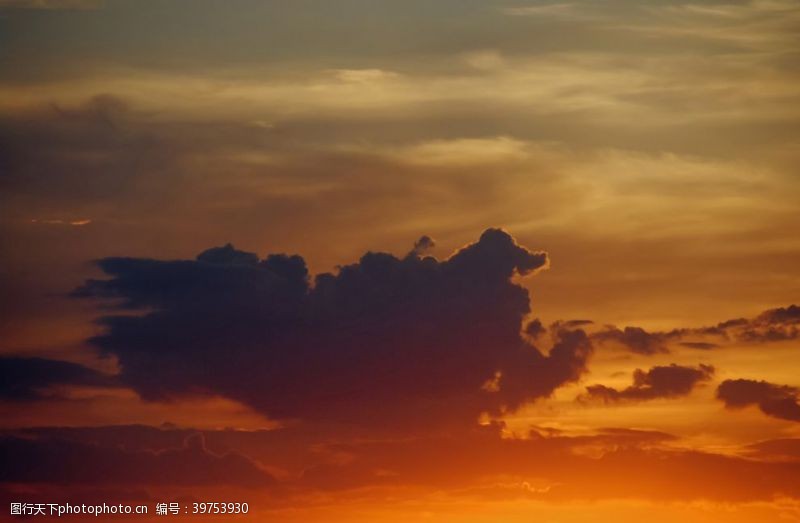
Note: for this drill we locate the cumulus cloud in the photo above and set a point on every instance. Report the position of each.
(670, 381)
(52, 460)
(777, 401)
(34, 378)
(383, 341)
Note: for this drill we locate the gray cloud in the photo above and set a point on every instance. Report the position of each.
(25, 378)
(672, 381)
(409, 341)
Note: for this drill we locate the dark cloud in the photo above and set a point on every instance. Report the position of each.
(578, 323)
(424, 244)
(635, 339)
(50, 460)
(34, 378)
(284, 451)
(772, 325)
(409, 341)
(778, 324)
(778, 401)
(783, 315)
(659, 382)
(534, 328)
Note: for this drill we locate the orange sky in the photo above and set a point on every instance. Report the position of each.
(598, 327)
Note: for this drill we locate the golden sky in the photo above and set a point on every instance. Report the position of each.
(495, 260)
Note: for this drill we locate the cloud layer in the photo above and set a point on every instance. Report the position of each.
(34, 378)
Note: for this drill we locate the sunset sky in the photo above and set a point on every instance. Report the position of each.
(396, 261)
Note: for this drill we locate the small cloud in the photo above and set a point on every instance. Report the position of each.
(699, 345)
(635, 339)
(423, 245)
(659, 382)
(485, 60)
(777, 401)
(42, 460)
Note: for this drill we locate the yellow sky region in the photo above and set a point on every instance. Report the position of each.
(578, 153)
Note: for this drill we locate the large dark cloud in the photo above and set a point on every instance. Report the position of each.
(386, 340)
(670, 381)
(778, 401)
(52, 460)
(24, 378)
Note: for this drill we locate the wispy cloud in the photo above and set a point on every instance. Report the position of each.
(555, 10)
(76, 223)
